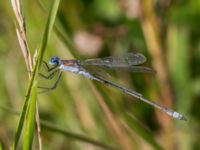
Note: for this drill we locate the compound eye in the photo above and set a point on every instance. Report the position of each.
(54, 61)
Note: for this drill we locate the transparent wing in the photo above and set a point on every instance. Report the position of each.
(98, 71)
(126, 60)
(133, 69)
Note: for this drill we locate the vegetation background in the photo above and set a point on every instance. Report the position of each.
(82, 114)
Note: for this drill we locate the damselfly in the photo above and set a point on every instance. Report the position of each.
(127, 62)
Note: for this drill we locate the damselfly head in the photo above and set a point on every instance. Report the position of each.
(54, 61)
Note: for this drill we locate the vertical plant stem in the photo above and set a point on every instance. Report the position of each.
(117, 128)
(151, 31)
(21, 34)
(31, 120)
(29, 107)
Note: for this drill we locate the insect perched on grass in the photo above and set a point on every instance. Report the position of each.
(127, 62)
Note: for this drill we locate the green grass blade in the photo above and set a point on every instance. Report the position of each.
(32, 88)
(48, 28)
(136, 125)
(32, 108)
(23, 113)
(30, 120)
(141, 131)
(51, 127)
(62, 34)
(1, 147)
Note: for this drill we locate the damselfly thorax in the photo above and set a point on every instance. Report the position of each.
(75, 67)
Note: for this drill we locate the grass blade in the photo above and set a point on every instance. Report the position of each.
(23, 114)
(141, 131)
(30, 120)
(51, 127)
(32, 88)
(32, 108)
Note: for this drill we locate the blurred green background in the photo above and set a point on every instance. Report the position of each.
(167, 32)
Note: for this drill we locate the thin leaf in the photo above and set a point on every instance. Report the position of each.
(1, 147)
(30, 120)
(53, 128)
(31, 114)
(141, 131)
(81, 138)
(23, 113)
(33, 86)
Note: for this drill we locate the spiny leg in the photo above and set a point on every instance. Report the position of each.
(50, 76)
(48, 69)
(54, 85)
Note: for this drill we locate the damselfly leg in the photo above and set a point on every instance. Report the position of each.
(45, 89)
(50, 76)
(51, 71)
(48, 69)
